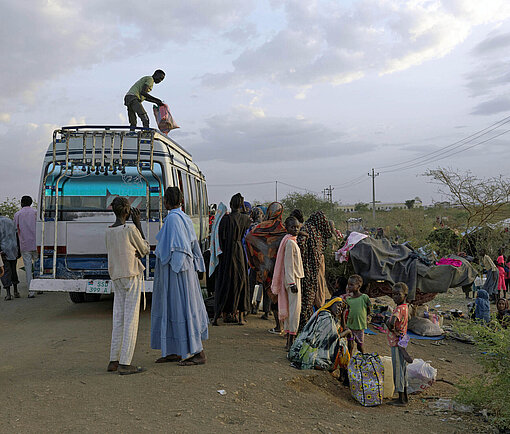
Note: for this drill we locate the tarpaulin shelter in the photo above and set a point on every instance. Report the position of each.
(377, 260)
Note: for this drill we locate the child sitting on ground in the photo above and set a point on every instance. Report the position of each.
(359, 309)
(397, 330)
(503, 312)
(482, 307)
(125, 244)
(287, 280)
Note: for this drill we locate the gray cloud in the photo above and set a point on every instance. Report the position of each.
(245, 136)
(241, 35)
(493, 106)
(44, 40)
(494, 42)
(328, 42)
(490, 75)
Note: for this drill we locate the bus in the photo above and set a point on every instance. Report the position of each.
(84, 169)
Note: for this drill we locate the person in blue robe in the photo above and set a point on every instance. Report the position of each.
(179, 321)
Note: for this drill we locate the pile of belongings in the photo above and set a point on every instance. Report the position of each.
(379, 260)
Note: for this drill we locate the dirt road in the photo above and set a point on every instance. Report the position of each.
(53, 379)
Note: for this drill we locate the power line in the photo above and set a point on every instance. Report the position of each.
(299, 188)
(347, 183)
(361, 181)
(449, 148)
(433, 159)
(262, 183)
(242, 184)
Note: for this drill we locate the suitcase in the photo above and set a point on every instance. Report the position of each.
(366, 379)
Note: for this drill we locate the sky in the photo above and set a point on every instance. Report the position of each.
(309, 94)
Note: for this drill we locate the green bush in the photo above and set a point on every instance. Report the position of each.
(444, 241)
(9, 207)
(491, 389)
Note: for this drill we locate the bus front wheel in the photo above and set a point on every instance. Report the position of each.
(77, 297)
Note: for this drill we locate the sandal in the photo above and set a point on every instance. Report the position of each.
(112, 366)
(169, 358)
(129, 369)
(274, 331)
(8, 297)
(16, 294)
(191, 362)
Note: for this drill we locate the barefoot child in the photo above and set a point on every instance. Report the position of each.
(397, 326)
(125, 245)
(287, 280)
(359, 309)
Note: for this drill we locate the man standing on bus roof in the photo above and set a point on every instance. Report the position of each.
(140, 92)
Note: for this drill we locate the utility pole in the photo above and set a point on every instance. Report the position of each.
(373, 175)
(328, 194)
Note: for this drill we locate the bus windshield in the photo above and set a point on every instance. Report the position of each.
(83, 194)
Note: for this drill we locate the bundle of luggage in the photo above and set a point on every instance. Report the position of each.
(164, 119)
(366, 379)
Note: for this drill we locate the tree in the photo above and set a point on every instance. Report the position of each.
(410, 203)
(9, 207)
(360, 206)
(306, 202)
(483, 200)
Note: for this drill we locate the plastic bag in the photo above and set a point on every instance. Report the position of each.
(164, 119)
(420, 376)
(366, 379)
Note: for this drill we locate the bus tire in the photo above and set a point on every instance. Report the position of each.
(77, 297)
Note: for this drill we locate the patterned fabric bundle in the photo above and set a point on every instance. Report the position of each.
(312, 249)
(366, 379)
(262, 245)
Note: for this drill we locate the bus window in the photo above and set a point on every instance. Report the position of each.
(83, 194)
(206, 200)
(194, 195)
(183, 185)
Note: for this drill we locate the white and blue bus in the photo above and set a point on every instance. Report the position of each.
(84, 169)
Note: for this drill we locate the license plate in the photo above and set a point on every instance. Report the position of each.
(99, 287)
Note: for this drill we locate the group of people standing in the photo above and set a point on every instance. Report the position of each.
(498, 276)
(179, 321)
(253, 247)
(17, 239)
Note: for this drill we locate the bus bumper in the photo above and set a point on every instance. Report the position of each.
(78, 285)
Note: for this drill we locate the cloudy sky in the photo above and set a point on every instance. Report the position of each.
(311, 93)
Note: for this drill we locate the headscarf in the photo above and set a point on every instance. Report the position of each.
(274, 211)
(331, 303)
(215, 240)
(312, 249)
(263, 241)
(326, 306)
(247, 205)
(257, 215)
(507, 304)
(176, 235)
(236, 201)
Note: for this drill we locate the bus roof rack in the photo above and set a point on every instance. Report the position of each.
(107, 127)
